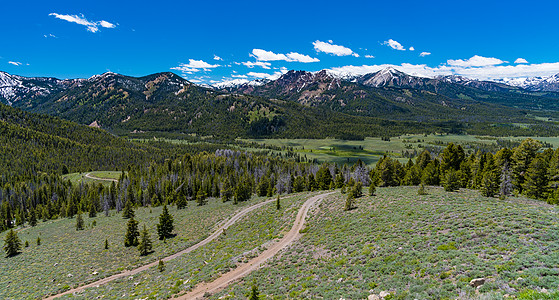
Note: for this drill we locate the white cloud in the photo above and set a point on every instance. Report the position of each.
(263, 64)
(330, 48)
(294, 56)
(520, 61)
(369, 56)
(264, 55)
(259, 75)
(239, 76)
(49, 35)
(194, 66)
(423, 54)
(486, 72)
(81, 20)
(217, 57)
(394, 45)
(412, 49)
(15, 63)
(476, 61)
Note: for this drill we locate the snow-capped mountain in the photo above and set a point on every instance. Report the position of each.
(535, 84)
(14, 88)
(236, 83)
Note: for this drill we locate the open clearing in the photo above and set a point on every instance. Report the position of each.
(370, 150)
(48, 270)
(102, 177)
(417, 247)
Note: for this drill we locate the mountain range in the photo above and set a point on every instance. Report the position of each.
(384, 102)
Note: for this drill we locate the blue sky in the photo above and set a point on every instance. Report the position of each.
(209, 41)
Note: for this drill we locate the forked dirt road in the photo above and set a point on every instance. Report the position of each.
(241, 271)
(206, 241)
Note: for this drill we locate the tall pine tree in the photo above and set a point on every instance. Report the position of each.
(165, 226)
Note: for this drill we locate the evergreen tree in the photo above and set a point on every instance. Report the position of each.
(263, 185)
(12, 243)
(349, 202)
(92, 210)
(536, 180)
(26, 244)
(226, 191)
(451, 181)
(278, 204)
(254, 293)
(181, 202)
(165, 226)
(521, 158)
(106, 244)
(161, 266)
(128, 212)
(372, 189)
(79, 222)
(339, 181)
(32, 218)
(145, 242)
(131, 236)
(38, 241)
(201, 197)
(451, 158)
(323, 177)
(490, 177)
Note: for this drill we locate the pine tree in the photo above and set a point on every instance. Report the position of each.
(161, 266)
(201, 197)
(278, 204)
(12, 243)
(26, 244)
(32, 218)
(165, 226)
(254, 293)
(131, 236)
(536, 180)
(128, 212)
(451, 181)
(145, 242)
(181, 201)
(106, 244)
(38, 241)
(491, 176)
(372, 189)
(79, 221)
(349, 203)
(92, 210)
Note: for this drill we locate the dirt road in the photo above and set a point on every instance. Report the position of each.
(88, 175)
(244, 269)
(210, 238)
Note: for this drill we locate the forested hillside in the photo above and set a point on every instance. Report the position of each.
(165, 104)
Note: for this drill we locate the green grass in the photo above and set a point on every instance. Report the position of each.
(42, 270)
(417, 247)
(242, 241)
(371, 150)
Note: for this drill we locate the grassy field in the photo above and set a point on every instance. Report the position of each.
(67, 258)
(241, 241)
(417, 247)
(108, 176)
(371, 150)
